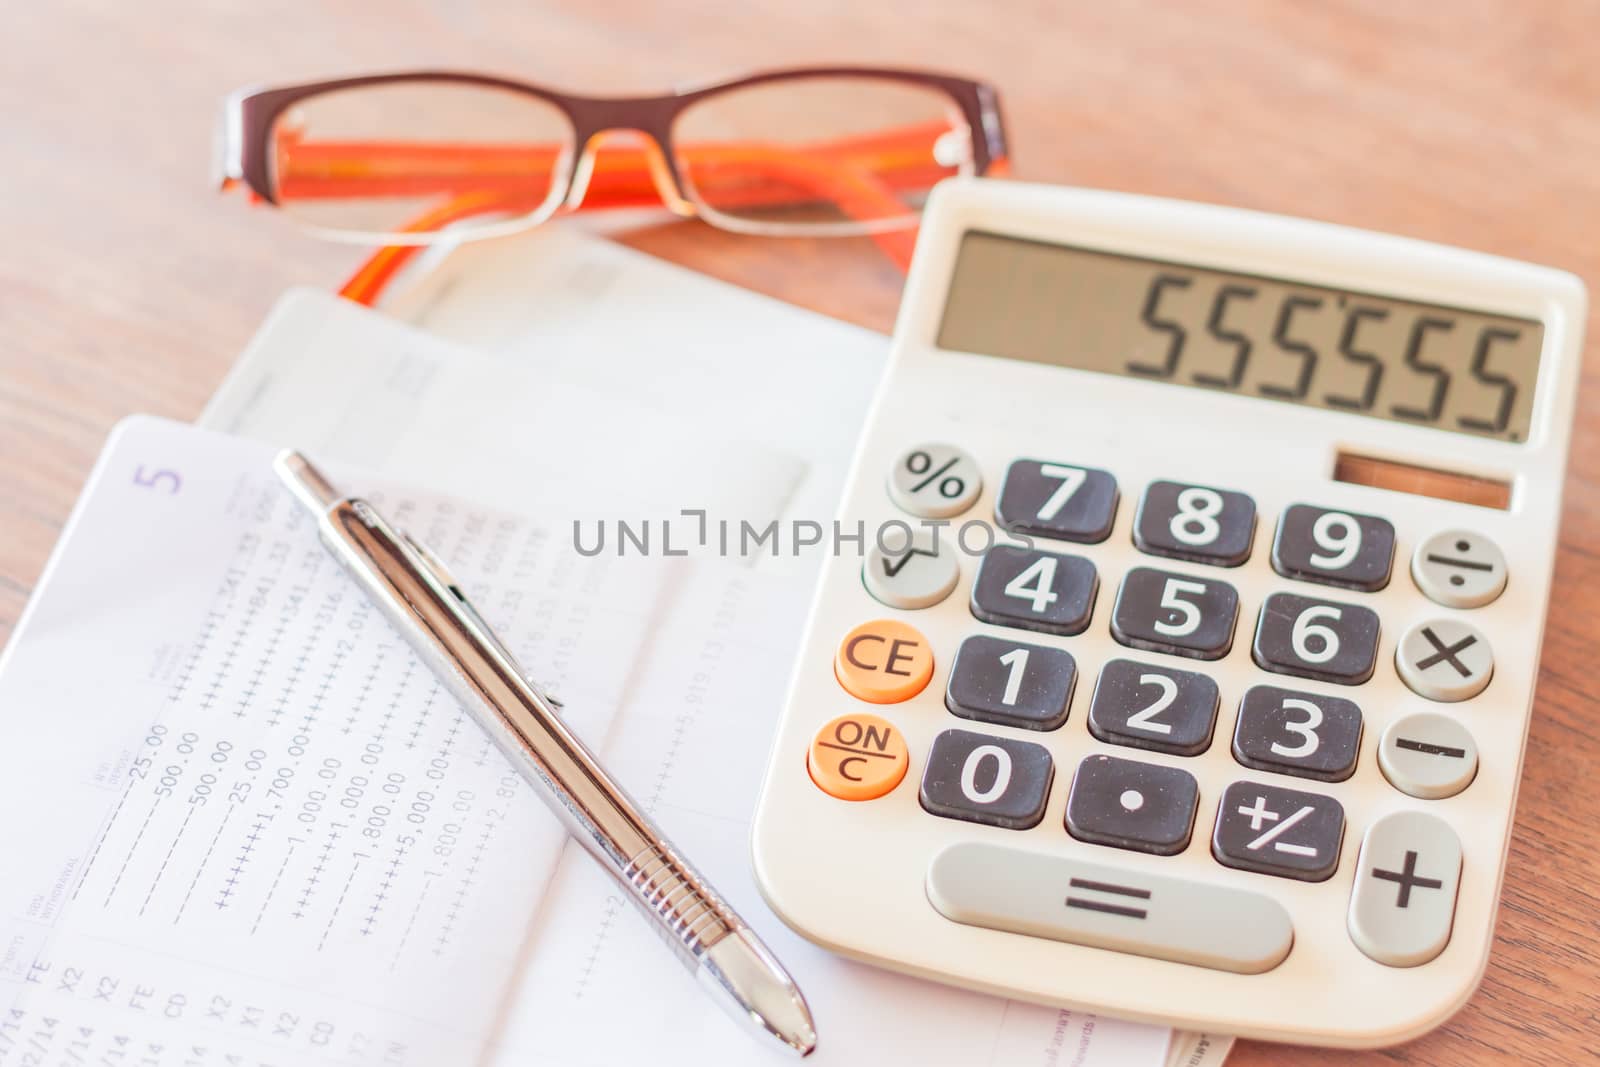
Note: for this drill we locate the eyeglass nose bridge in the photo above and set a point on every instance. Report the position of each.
(651, 143)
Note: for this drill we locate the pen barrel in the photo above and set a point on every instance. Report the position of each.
(448, 634)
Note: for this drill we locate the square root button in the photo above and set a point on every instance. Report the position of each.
(1023, 892)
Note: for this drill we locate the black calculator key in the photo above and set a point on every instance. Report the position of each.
(1334, 548)
(1158, 708)
(1305, 734)
(1319, 639)
(1277, 831)
(1175, 613)
(1034, 590)
(991, 780)
(1127, 804)
(1195, 522)
(1057, 500)
(1011, 683)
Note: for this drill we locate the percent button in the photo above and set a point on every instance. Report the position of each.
(935, 481)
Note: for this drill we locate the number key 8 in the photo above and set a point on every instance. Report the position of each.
(1196, 523)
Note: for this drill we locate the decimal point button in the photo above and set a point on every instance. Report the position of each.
(857, 757)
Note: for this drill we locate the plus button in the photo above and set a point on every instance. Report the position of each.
(1407, 878)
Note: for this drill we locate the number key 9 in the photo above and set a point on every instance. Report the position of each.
(1334, 548)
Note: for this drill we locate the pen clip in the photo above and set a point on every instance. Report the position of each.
(442, 576)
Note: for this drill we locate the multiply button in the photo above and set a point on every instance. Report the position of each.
(1144, 914)
(1445, 660)
(883, 662)
(1459, 569)
(1404, 900)
(857, 757)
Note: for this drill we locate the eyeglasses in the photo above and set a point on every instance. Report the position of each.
(415, 158)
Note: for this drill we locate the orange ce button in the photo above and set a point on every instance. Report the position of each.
(857, 757)
(883, 662)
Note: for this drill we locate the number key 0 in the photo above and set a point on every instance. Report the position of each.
(1334, 548)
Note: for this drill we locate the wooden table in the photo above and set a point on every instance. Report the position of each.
(125, 286)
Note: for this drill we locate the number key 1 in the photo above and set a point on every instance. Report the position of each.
(1011, 683)
(1334, 548)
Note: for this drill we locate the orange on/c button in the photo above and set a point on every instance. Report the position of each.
(883, 662)
(857, 757)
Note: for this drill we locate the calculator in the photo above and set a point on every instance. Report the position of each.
(1178, 650)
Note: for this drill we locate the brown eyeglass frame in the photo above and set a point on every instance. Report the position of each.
(245, 151)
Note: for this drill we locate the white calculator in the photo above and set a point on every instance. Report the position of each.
(1186, 672)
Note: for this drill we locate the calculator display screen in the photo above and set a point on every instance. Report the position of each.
(1441, 367)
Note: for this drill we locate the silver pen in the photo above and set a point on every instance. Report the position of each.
(424, 603)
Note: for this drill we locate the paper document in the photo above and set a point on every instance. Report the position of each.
(257, 832)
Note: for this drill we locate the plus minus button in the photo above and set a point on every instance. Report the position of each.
(1407, 878)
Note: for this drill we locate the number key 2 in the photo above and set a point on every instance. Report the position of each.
(1175, 613)
(1305, 734)
(1158, 708)
(1196, 523)
(1311, 638)
(1334, 548)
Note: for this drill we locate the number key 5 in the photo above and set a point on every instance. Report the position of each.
(1175, 613)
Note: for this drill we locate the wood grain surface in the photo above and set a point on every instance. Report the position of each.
(126, 286)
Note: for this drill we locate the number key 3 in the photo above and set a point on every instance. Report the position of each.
(1304, 734)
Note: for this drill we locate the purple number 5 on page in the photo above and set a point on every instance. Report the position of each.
(154, 479)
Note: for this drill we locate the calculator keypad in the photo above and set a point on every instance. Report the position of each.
(1310, 638)
(1146, 807)
(1129, 804)
(1057, 500)
(979, 778)
(1175, 613)
(1034, 590)
(1196, 523)
(1282, 832)
(1011, 683)
(1154, 707)
(1334, 548)
(1304, 734)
